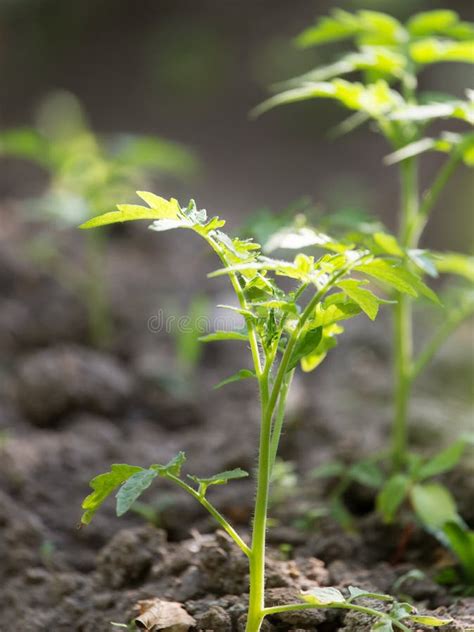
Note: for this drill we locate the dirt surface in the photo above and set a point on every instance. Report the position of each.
(67, 411)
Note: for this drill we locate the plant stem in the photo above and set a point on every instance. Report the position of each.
(336, 606)
(228, 528)
(98, 314)
(256, 612)
(257, 556)
(280, 417)
(402, 327)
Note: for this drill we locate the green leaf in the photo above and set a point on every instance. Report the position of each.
(376, 98)
(356, 593)
(133, 488)
(461, 541)
(431, 50)
(367, 473)
(433, 504)
(323, 596)
(25, 143)
(389, 244)
(436, 22)
(367, 301)
(397, 277)
(429, 620)
(341, 25)
(172, 467)
(296, 237)
(224, 335)
(218, 479)
(243, 374)
(454, 263)
(375, 58)
(443, 461)
(306, 344)
(411, 150)
(129, 212)
(103, 485)
(463, 110)
(392, 495)
(380, 29)
(423, 259)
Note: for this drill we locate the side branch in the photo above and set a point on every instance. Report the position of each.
(228, 528)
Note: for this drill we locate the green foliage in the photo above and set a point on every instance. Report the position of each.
(385, 620)
(218, 479)
(132, 481)
(88, 172)
(282, 329)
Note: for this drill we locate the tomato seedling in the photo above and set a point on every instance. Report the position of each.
(283, 329)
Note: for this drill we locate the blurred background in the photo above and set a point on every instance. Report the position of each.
(190, 72)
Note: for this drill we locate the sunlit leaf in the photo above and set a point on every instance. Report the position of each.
(435, 22)
(376, 99)
(431, 50)
(323, 596)
(454, 263)
(340, 25)
(429, 620)
(367, 301)
(165, 209)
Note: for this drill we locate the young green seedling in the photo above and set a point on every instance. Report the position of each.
(284, 328)
(87, 173)
(389, 55)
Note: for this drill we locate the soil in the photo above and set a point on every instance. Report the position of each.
(68, 410)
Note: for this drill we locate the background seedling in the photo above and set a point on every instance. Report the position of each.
(284, 329)
(389, 56)
(86, 174)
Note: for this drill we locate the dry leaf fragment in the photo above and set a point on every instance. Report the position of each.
(168, 616)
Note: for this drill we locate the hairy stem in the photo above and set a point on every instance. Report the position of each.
(257, 556)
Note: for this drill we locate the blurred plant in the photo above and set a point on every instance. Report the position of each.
(87, 173)
(284, 482)
(282, 331)
(189, 338)
(390, 55)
